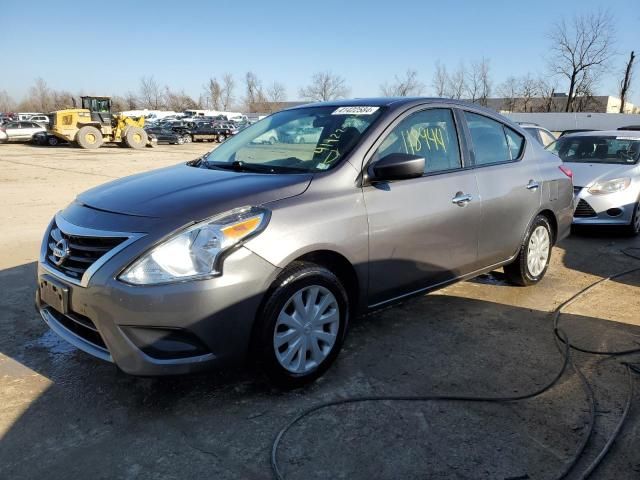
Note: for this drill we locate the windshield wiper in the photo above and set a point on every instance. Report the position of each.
(239, 166)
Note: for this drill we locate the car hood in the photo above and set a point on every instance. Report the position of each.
(584, 174)
(190, 192)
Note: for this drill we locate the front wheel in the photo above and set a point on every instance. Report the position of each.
(302, 326)
(221, 138)
(532, 261)
(634, 227)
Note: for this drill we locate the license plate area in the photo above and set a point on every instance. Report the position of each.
(54, 293)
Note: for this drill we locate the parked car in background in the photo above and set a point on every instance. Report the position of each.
(166, 135)
(40, 120)
(306, 135)
(272, 249)
(541, 134)
(606, 176)
(21, 131)
(213, 132)
(576, 130)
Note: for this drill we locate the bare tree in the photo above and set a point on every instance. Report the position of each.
(440, 80)
(276, 96)
(6, 102)
(407, 86)
(626, 81)
(325, 86)
(485, 81)
(581, 48)
(39, 96)
(227, 92)
(131, 101)
(255, 99)
(547, 89)
(151, 94)
(509, 90)
(178, 101)
(214, 93)
(527, 90)
(457, 83)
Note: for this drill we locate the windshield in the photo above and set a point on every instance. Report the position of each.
(622, 149)
(296, 141)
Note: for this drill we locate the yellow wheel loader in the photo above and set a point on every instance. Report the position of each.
(94, 124)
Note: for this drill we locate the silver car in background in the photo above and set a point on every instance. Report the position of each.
(606, 176)
(268, 250)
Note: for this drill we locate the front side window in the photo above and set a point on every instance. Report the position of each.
(273, 144)
(430, 134)
(622, 149)
(492, 141)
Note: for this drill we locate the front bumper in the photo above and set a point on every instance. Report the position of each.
(610, 209)
(162, 329)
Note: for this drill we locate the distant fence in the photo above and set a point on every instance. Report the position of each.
(558, 122)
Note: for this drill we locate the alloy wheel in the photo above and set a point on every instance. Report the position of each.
(306, 329)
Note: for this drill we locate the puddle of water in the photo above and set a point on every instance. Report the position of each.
(53, 343)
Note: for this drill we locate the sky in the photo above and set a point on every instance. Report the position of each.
(83, 47)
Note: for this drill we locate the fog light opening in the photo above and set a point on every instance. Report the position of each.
(614, 212)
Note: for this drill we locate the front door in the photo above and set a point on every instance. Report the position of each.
(422, 231)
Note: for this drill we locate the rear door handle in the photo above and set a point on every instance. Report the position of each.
(533, 185)
(461, 199)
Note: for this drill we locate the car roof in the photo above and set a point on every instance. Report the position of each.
(385, 102)
(606, 133)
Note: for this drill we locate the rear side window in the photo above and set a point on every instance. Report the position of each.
(547, 138)
(492, 141)
(431, 134)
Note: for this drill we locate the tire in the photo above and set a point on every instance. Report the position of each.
(180, 141)
(135, 137)
(633, 228)
(221, 138)
(300, 283)
(89, 137)
(187, 139)
(52, 141)
(525, 270)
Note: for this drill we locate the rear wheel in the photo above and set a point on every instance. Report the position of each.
(135, 137)
(180, 141)
(532, 261)
(53, 141)
(89, 137)
(634, 227)
(221, 138)
(302, 326)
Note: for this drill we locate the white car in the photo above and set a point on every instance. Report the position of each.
(606, 176)
(21, 131)
(3, 136)
(40, 120)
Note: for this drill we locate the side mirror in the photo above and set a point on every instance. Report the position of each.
(397, 166)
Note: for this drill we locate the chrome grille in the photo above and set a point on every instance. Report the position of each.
(583, 209)
(82, 251)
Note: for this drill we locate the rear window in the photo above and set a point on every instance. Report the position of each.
(621, 149)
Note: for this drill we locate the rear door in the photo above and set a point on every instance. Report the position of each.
(422, 231)
(13, 130)
(509, 183)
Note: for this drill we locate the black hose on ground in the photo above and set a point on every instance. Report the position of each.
(563, 340)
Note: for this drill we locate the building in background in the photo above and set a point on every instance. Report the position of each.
(594, 104)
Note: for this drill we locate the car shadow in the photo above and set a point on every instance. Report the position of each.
(601, 252)
(67, 414)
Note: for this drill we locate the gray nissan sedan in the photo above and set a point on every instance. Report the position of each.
(266, 251)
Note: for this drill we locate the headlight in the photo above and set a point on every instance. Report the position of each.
(197, 251)
(609, 186)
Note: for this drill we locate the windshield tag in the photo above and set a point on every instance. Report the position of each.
(355, 110)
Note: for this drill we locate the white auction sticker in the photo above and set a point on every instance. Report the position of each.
(628, 138)
(355, 110)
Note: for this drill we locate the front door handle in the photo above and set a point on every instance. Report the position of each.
(461, 199)
(533, 185)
